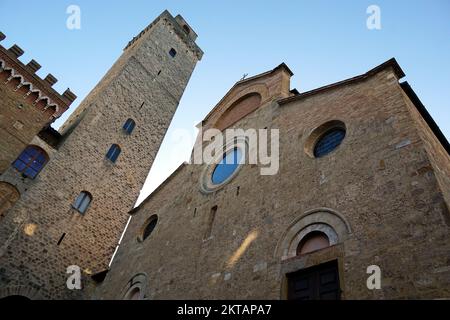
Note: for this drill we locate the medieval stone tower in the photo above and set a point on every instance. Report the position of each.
(74, 210)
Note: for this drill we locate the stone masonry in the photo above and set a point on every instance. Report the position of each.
(42, 234)
(384, 190)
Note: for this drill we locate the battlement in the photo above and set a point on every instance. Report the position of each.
(11, 68)
(179, 26)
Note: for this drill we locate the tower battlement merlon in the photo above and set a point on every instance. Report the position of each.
(180, 27)
(26, 74)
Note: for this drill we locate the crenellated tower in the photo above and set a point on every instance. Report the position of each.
(28, 103)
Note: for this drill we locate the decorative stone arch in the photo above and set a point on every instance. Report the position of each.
(53, 107)
(9, 195)
(22, 291)
(232, 99)
(137, 283)
(18, 76)
(325, 220)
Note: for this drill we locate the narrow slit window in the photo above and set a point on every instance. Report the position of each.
(211, 218)
(61, 239)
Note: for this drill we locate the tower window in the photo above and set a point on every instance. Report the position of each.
(82, 202)
(31, 161)
(329, 141)
(129, 125)
(186, 29)
(173, 52)
(113, 153)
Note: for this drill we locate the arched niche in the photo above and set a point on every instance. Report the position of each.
(239, 109)
(325, 220)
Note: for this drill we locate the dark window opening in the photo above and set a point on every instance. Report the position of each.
(186, 29)
(31, 161)
(129, 125)
(82, 202)
(173, 52)
(159, 72)
(61, 239)
(149, 227)
(237, 191)
(113, 153)
(328, 142)
(195, 212)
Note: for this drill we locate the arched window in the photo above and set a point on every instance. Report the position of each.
(313, 241)
(113, 153)
(31, 161)
(82, 202)
(129, 125)
(186, 29)
(329, 141)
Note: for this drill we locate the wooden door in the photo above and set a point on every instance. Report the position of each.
(320, 282)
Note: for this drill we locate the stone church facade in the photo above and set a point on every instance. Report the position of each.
(363, 184)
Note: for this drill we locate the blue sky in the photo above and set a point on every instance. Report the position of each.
(321, 41)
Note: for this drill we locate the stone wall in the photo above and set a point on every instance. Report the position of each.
(373, 189)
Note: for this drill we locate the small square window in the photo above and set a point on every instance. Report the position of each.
(172, 53)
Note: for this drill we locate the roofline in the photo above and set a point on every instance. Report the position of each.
(426, 115)
(135, 209)
(279, 67)
(404, 85)
(391, 63)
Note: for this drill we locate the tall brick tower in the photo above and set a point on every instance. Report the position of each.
(74, 211)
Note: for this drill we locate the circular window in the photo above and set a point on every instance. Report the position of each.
(328, 142)
(225, 168)
(325, 139)
(148, 228)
